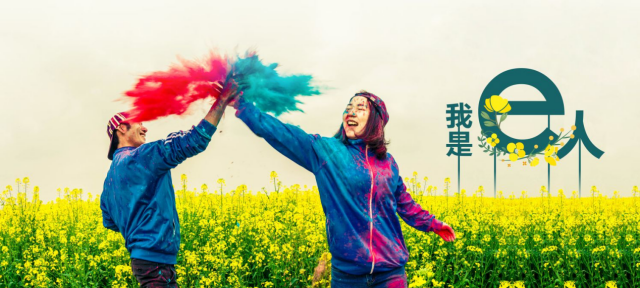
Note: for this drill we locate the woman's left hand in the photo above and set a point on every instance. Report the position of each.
(446, 232)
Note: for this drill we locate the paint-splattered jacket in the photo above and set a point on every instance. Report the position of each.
(138, 199)
(360, 194)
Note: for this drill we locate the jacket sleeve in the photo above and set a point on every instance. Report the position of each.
(164, 155)
(411, 212)
(289, 140)
(107, 221)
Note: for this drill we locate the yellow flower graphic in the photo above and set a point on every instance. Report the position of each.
(493, 140)
(497, 104)
(549, 155)
(516, 151)
(535, 162)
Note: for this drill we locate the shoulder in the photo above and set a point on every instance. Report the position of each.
(325, 139)
(329, 142)
(393, 164)
(392, 160)
(143, 151)
(137, 161)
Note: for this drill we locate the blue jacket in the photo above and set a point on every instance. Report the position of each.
(138, 199)
(360, 194)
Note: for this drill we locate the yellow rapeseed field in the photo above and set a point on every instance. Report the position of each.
(274, 238)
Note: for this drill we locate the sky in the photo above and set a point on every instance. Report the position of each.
(66, 64)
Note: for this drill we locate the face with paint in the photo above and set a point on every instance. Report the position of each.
(132, 134)
(355, 116)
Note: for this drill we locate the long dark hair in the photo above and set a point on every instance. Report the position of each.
(373, 134)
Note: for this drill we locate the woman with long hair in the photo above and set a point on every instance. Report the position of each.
(360, 187)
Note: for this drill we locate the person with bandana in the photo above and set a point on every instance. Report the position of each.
(138, 199)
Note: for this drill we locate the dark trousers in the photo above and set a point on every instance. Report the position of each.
(151, 274)
(396, 278)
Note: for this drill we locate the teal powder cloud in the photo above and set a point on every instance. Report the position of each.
(269, 91)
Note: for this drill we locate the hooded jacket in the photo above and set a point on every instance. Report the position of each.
(138, 199)
(360, 194)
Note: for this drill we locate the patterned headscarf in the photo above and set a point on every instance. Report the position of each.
(112, 125)
(378, 104)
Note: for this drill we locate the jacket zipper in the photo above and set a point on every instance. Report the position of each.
(366, 155)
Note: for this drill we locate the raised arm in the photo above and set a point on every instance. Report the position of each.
(229, 92)
(291, 141)
(163, 155)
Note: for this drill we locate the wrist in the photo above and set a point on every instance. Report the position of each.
(219, 104)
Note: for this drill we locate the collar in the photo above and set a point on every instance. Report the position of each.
(358, 142)
(122, 149)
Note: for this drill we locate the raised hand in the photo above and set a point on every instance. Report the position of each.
(228, 92)
(233, 101)
(217, 86)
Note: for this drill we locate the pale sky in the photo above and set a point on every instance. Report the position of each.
(65, 63)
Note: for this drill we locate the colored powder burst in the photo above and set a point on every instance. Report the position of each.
(262, 85)
(171, 92)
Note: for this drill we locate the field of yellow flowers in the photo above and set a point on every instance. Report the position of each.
(274, 238)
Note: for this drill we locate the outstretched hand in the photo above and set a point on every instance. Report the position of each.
(446, 232)
(229, 92)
